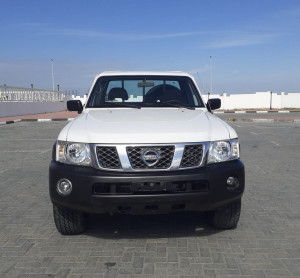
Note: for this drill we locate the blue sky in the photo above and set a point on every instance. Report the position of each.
(254, 45)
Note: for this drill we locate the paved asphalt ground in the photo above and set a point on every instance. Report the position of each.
(261, 117)
(281, 116)
(266, 242)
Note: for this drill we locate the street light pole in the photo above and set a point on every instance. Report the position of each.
(211, 90)
(52, 74)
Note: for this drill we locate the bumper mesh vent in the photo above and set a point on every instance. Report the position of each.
(192, 155)
(135, 154)
(108, 157)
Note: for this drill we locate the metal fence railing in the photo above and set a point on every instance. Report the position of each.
(18, 94)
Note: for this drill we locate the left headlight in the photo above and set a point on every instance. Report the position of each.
(220, 151)
(73, 153)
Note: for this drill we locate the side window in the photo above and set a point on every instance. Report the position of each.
(161, 82)
(174, 83)
(195, 100)
(98, 90)
(135, 93)
(194, 94)
(156, 83)
(113, 84)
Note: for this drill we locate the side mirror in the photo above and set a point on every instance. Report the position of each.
(74, 105)
(213, 103)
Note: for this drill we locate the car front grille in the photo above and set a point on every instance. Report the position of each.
(192, 155)
(108, 157)
(135, 155)
(129, 158)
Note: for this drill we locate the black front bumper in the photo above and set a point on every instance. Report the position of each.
(211, 194)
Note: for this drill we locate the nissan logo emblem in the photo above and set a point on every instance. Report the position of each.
(150, 157)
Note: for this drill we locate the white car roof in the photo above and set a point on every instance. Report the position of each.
(133, 73)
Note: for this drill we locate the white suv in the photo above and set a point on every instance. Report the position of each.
(145, 142)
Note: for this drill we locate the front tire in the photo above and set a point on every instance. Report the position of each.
(228, 216)
(69, 222)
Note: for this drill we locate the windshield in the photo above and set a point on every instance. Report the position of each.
(144, 91)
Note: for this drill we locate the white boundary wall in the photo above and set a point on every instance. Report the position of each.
(8, 109)
(18, 101)
(82, 99)
(258, 100)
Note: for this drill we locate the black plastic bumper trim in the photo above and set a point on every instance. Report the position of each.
(84, 178)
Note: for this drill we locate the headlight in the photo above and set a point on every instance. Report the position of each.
(73, 153)
(220, 151)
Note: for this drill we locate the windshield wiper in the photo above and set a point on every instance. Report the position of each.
(119, 104)
(174, 103)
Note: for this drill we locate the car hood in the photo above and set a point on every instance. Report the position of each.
(146, 125)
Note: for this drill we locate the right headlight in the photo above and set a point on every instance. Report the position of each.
(73, 153)
(220, 151)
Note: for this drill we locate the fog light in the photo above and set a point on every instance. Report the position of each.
(232, 183)
(64, 187)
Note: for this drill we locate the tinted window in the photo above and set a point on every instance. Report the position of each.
(144, 91)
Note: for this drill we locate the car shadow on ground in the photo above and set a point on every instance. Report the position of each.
(122, 226)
